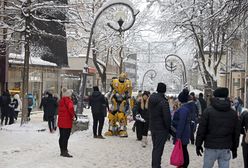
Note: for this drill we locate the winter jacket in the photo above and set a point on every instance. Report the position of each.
(31, 101)
(193, 112)
(5, 102)
(244, 125)
(203, 104)
(50, 105)
(18, 102)
(159, 113)
(181, 121)
(143, 112)
(65, 113)
(219, 126)
(97, 103)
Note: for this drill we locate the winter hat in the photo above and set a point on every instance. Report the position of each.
(161, 88)
(221, 92)
(95, 88)
(68, 93)
(183, 96)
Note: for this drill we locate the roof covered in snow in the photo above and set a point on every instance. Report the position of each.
(19, 59)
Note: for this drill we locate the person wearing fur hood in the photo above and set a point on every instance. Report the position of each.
(17, 105)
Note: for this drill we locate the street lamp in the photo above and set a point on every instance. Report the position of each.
(153, 75)
(171, 66)
(120, 29)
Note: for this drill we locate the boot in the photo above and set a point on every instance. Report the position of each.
(100, 137)
(144, 141)
(65, 153)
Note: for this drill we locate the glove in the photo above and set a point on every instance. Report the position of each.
(75, 117)
(234, 153)
(199, 150)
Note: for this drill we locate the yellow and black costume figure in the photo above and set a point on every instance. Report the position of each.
(120, 97)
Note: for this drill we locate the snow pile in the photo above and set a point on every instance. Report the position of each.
(25, 127)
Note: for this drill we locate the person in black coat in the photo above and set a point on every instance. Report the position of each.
(202, 102)
(219, 129)
(98, 105)
(5, 100)
(160, 122)
(50, 105)
(142, 119)
(43, 101)
(244, 129)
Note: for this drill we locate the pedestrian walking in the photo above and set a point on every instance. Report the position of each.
(244, 131)
(219, 129)
(142, 119)
(66, 115)
(182, 123)
(195, 109)
(5, 100)
(160, 122)
(11, 111)
(135, 109)
(56, 97)
(43, 101)
(50, 106)
(98, 105)
(17, 104)
(31, 103)
(202, 102)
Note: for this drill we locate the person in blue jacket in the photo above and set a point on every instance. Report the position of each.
(181, 121)
(31, 103)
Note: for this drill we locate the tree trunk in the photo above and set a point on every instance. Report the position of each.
(26, 67)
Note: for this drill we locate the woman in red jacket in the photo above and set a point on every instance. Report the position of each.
(66, 116)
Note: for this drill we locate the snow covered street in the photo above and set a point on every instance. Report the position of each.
(27, 148)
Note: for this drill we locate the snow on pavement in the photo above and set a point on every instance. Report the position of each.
(25, 147)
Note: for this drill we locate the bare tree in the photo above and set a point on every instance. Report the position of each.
(26, 21)
(210, 23)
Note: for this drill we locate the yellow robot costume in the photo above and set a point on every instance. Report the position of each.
(121, 94)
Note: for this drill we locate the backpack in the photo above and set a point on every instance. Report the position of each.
(30, 102)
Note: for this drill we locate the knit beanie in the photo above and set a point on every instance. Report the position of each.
(184, 96)
(161, 88)
(221, 92)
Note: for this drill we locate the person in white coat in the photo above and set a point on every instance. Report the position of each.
(17, 105)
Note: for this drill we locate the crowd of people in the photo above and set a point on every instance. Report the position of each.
(191, 119)
(187, 118)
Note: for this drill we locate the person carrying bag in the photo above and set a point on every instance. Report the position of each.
(176, 158)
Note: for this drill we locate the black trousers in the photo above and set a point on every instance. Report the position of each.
(245, 154)
(141, 129)
(4, 117)
(158, 140)
(192, 133)
(98, 118)
(16, 114)
(51, 123)
(29, 112)
(185, 157)
(63, 138)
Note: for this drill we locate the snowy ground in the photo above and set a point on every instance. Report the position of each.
(25, 147)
